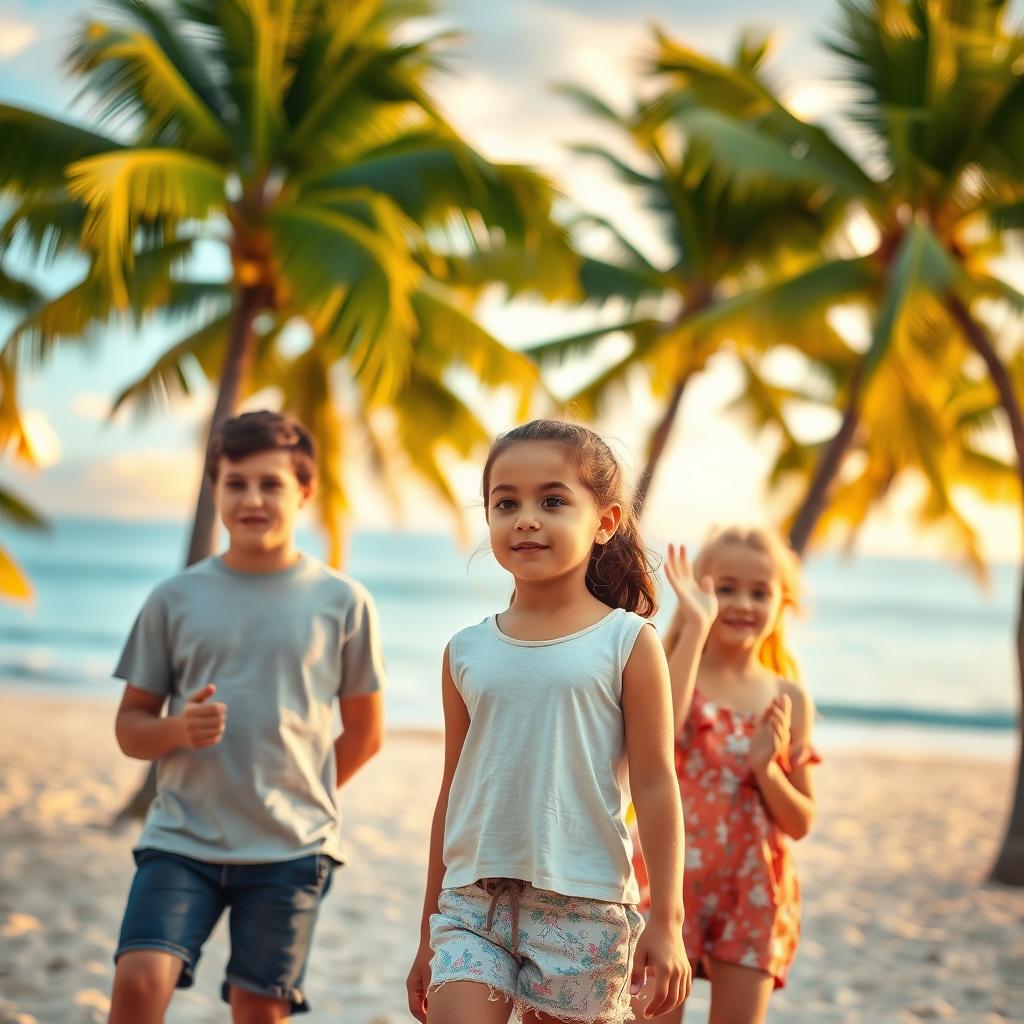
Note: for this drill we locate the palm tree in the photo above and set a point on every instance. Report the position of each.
(940, 116)
(14, 584)
(925, 424)
(412, 431)
(301, 138)
(720, 239)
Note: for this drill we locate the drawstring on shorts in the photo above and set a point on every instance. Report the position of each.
(496, 888)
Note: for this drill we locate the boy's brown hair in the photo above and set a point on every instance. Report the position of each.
(263, 431)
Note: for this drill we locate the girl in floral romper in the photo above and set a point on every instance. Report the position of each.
(743, 759)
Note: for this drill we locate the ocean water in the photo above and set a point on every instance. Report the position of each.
(895, 651)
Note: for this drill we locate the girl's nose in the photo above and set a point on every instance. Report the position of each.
(527, 523)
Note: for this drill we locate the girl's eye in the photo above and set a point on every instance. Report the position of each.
(553, 501)
(724, 588)
(761, 595)
(235, 485)
(505, 505)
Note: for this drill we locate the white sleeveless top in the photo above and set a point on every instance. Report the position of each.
(538, 793)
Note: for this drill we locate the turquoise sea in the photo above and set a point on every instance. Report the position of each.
(896, 651)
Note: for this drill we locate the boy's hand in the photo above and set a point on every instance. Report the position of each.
(203, 720)
(418, 982)
(660, 953)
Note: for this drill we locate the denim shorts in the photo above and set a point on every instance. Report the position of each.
(175, 902)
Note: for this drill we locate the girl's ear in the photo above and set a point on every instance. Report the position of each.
(608, 524)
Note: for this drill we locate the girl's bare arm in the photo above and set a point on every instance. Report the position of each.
(456, 725)
(647, 709)
(790, 798)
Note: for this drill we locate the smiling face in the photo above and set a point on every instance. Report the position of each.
(749, 595)
(259, 498)
(543, 520)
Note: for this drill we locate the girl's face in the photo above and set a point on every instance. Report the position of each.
(543, 520)
(749, 596)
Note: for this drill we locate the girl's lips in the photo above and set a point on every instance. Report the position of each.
(529, 547)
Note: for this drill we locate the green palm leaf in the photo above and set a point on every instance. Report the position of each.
(153, 74)
(121, 190)
(37, 149)
(168, 378)
(449, 338)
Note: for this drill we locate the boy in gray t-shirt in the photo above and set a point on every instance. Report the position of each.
(249, 650)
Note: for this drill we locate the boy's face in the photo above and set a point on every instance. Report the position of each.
(259, 498)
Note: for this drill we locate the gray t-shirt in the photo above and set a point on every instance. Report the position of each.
(281, 648)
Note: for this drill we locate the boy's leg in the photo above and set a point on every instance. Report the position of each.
(273, 910)
(457, 1002)
(249, 1008)
(172, 907)
(144, 982)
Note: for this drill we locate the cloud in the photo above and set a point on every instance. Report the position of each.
(152, 483)
(90, 405)
(15, 38)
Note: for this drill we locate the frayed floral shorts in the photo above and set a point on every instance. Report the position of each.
(565, 956)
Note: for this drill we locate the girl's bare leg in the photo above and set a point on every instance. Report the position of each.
(739, 995)
(459, 1002)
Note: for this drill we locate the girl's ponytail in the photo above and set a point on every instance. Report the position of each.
(621, 573)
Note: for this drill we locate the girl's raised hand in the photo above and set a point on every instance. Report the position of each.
(697, 601)
(771, 737)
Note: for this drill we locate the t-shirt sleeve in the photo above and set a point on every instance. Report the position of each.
(145, 661)
(362, 657)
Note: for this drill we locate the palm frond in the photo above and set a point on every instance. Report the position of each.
(450, 338)
(37, 149)
(14, 584)
(123, 190)
(168, 378)
(149, 72)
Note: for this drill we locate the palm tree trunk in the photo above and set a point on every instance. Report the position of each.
(1009, 865)
(237, 363)
(828, 467)
(656, 444)
(235, 372)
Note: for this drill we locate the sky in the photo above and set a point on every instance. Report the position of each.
(500, 96)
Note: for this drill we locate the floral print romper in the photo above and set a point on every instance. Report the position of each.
(740, 887)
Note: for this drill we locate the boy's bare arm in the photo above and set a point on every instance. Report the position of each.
(362, 734)
(143, 733)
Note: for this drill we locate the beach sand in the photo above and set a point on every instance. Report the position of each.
(899, 926)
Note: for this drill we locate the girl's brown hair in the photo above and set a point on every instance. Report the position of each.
(774, 653)
(620, 572)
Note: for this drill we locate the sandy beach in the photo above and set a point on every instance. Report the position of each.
(899, 926)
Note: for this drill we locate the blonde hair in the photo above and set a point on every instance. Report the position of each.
(774, 654)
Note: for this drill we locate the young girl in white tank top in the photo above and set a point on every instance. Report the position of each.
(530, 890)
